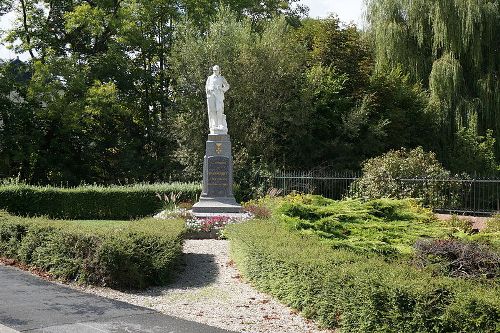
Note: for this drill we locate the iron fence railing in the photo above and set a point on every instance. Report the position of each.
(477, 196)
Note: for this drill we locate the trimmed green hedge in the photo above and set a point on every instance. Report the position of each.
(119, 254)
(356, 292)
(92, 202)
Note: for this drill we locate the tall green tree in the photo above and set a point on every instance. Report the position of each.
(20, 133)
(451, 47)
(358, 115)
(333, 44)
(94, 64)
(265, 115)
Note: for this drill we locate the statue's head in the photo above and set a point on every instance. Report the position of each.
(216, 69)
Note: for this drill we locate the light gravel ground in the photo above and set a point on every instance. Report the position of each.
(211, 291)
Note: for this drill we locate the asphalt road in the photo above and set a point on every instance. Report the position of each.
(31, 304)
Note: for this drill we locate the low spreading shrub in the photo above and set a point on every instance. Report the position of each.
(356, 292)
(493, 224)
(462, 224)
(383, 226)
(93, 202)
(119, 254)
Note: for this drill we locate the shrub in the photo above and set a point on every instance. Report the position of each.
(457, 258)
(493, 223)
(356, 293)
(381, 175)
(461, 224)
(384, 226)
(120, 254)
(92, 202)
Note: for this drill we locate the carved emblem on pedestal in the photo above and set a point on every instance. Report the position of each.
(218, 148)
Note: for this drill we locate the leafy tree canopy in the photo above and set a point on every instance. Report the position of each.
(451, 47)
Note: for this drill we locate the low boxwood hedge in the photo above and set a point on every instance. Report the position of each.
(119, 254)
(92, 202)
(359, 292)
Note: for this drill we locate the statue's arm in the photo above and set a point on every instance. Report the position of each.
(225, 85)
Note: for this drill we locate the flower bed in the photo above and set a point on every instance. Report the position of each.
(210, 227)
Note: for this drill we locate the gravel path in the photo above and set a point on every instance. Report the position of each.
(210, 291)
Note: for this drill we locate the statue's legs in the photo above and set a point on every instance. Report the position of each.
(220, 112)
(212, 113)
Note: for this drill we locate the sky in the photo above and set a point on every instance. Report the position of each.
(348, 11)
(5, 23)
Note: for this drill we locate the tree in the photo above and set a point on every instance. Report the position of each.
(344, 48)
(115, 51)
(264, 103)
(202, 12)
(20, 132)
(451, 47)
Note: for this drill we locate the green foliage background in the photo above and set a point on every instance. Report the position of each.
(112, 91)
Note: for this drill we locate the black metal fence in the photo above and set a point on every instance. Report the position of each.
(477, 196)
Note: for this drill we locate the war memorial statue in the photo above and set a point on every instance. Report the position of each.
(215, 88)
(217, 196)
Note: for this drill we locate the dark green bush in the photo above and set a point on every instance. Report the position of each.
(120, 254)
(355, 292)
(92, 202)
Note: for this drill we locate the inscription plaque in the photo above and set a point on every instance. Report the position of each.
(218, 181)
(217, 194)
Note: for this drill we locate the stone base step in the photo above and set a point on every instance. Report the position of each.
(236, 216)
(217, 206)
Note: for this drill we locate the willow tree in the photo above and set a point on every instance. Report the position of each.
(452, 48)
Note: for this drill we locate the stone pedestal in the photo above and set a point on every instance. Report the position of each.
(217, 196)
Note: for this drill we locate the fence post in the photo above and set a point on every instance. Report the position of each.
(474, 193)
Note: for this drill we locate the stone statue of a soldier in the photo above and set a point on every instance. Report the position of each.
(215, 88)
(217, 197)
